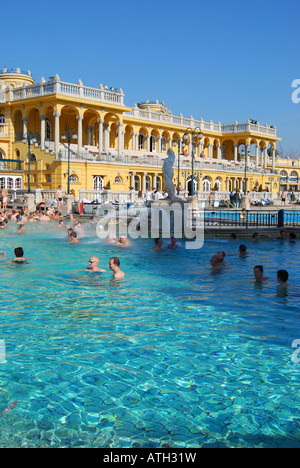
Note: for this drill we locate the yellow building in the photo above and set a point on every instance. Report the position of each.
(117, 146)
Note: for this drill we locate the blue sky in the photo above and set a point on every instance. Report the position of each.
(223, 60)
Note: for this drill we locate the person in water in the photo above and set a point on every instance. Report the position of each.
(93, 265)
(19, 256)
(282, 278)
(217, 260)
(114, 265)
(258, 271)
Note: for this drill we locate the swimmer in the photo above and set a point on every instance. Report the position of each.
(61, 224)
(93, 265)
(292, 237)
(111, 239)
(243, 251)
(217, 260)
(233, 236)
(258, 271)
(282, 235)
(114, 265)
(173, 244)
(19, 253)
(158, 245)
(73, 238)
(21, 229)
(123, 242)
(255, 237)
(282, 278)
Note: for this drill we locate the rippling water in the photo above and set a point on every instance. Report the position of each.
(173, 356)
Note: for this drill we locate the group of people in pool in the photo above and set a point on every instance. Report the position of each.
(76, 232)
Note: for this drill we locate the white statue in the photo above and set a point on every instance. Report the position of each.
(168, 174)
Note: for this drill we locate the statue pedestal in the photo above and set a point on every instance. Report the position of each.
(29, 202)
(66, 209)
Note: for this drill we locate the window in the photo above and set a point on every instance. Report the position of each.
(158, 183)
(2, 119)
(142, 140)
(48, 178)
(32, 158)
(163, 144)
(18, 183)
(48, 130)
(118, 180)
(98, 183)
(148, 187)
(73, 179)
(2, 182)
(152, 144)
(206, 185)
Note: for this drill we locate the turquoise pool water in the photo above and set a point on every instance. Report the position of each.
(173, 356)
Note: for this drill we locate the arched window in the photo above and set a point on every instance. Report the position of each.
(206, 184)
(137, 183)
(73, 179)
(158, 183)
(218, 185)
(48, 130)
(18, 183)
(152, 144)
(163, 144)
(294, 177)
(2, 119)
(32, 158)
(142, 140)
(98, 183)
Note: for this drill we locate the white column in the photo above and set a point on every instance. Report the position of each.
(154, 180)
(219, 151)
(25, 125)
(236, 153)
(273, 158)
(144, 181)
(79, 133)
(43, 127)
(159, 145)
(265, 156)
(106, 137)
(210, 150)
(100, 136)
(120, 138)
(56, 131)
(148, 145)
(256, 156)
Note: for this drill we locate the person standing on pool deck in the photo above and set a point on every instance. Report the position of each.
(114, 265)
(59, 196)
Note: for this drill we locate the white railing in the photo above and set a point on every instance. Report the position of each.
(59, 87)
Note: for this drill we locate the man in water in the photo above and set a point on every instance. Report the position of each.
(19, 253)
(114, 265)
(158, 245)
(123, 242)
(217, 261)
(93, 265)
(282, 278)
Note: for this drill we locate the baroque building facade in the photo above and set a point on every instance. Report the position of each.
(118, 147)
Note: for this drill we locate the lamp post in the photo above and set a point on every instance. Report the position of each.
(180, 144)
(194, 134)
(67, 134)
(29, 138)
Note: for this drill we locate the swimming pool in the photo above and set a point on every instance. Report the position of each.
(173, 356)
